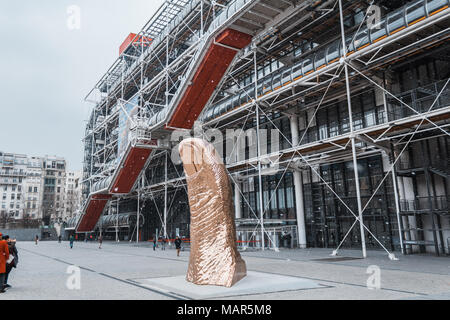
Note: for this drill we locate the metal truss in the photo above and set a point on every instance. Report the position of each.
(155, 73)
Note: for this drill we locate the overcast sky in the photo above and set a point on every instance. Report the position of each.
(46, 69)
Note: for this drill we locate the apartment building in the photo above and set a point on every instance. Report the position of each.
(13, 176)
(72, 195)
(54, 183)
(32, 188)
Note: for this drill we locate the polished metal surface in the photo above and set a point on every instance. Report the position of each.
(214, 258)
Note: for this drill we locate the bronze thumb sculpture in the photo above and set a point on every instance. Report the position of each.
(214, 258)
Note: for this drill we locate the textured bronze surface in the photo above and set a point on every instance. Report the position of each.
(214, 258)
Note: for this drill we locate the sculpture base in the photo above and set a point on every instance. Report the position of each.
(253, 284)
(224, 278)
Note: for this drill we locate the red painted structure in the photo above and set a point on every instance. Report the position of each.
(139, 39)
(208, 76)
(94, 209)
(133, 164)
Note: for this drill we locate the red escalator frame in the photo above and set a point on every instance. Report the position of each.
(94, 209)
(208, 76)
(135, 161)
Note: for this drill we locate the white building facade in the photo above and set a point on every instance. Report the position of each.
(72, 195)
(32, 188)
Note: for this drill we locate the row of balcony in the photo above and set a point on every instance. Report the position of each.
(425, 204)
(12, 173)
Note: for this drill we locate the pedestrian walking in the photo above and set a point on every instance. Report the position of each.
(100, 241)
(4, 256)
(36, 239)
(155, 242)
(71, 240)
(163, 243)
(13, 259)
(59, 239)
(178, 245)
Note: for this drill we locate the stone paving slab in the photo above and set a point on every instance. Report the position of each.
(116, 272)
(254, 283)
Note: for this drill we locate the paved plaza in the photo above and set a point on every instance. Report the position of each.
(129, 271)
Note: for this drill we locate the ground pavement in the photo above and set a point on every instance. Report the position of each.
(118, 271)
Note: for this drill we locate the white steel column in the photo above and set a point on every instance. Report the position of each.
(138, 213)
(237, 200)
(298, 187)
(117, 222)
(350, 119)
(397, 208)
(404, 220)
(165, 197)
(261, 202)
(237, 184)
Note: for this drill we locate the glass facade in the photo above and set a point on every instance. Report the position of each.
(328, 216)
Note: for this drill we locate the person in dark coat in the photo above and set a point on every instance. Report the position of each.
(13, 264)
(36, 239)
(4, 256)
(178, 245)
(71, 240)
(163, 243)
(100, 241)
(155, 241)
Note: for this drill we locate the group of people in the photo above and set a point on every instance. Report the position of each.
(99, 239)
(163, 244)
(9, 258)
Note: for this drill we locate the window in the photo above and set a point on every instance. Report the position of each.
(35, 189)
(30, 189)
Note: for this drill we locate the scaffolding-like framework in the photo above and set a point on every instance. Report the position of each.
(322, 55)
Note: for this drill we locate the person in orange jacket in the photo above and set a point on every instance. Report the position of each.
(4, 256)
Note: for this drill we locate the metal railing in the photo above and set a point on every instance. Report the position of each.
(422, 204)
(435, 162)
(11, 173)
(420, 99)
(275, 237)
